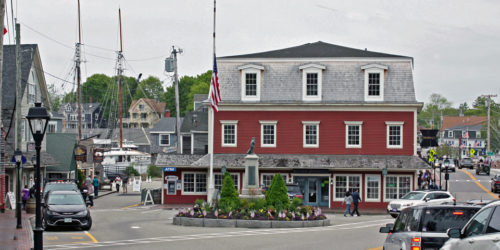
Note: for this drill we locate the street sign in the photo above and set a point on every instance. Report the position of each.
(432, 152)
(490, 153)
(169, 169)
(384, 172)
(472, 152)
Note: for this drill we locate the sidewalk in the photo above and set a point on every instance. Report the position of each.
(10, 236)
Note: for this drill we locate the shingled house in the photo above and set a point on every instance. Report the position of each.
(327, 117)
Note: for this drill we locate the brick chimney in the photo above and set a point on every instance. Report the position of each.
(167, 113)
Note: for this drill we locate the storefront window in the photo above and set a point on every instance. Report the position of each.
(397, 186)
(194, 182)
(343, 183)
(219, 180)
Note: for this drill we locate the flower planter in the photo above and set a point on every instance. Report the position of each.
(192, 222)
(253, 223)
(176, 220)
(313, 223)
(219, 223)
(286, 224)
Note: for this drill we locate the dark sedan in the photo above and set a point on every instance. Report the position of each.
(495, 183)
(65, 208)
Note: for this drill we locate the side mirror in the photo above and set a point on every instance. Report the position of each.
(454, 233)
(384, 230)
(389, 225)
(427, 199)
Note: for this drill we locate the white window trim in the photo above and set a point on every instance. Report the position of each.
(193, 193)
(237, 178)
(304, 124)
(229, 122)
(262, 177)
(374, 68)
(262, 123)
(361, 191)
(450, 133)
(353, 123)
(388, 124)
(251, 69)
(159, 140)
(397, 175)
(478, 134)
(312, 68)
(379, 188)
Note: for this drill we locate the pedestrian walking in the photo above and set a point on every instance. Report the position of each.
(91, 196)
(125, 184)
(26, 195)
(347, 201)
(117, 183)
(420, 179)
(355, 200)
(95, 183)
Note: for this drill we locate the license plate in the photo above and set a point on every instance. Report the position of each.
(394, 210)
(68, 220)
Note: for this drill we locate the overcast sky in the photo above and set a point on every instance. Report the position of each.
(455, 44)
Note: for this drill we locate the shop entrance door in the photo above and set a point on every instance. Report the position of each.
(314, 189)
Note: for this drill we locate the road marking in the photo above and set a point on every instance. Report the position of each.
(135, 227)
(257, 232)
(376, 248)
(135, 205)
(77, 237)
(480, 185)
(91, 237)
(51, 238)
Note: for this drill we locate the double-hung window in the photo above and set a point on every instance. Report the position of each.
(229, 133)
(268, 133)
(268, 178)
(395, 186)
(344, 183)
(372, 188)
(251, 82)
(194, 183)
(374, 81)
(219, 179)
(353, 134)
(394, 134)
(164, 139)
(311, 134)
(312, 79)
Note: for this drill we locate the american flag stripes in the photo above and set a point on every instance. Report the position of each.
(214, 88)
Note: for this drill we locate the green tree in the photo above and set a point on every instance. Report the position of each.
(229, 195)
(202, 86)
(154, 171)
(432, 111)
(277, 194)
(150, 87)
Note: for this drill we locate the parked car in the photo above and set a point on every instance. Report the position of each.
(294, 191)
(65, 208)
(60, 186)
(482, 231)
(482, 167)
(466, 163)
(437, 163)
(448, 164)
(425, 226)
(418, 197)
(495, 183)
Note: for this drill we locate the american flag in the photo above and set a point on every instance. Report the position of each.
(214, 88)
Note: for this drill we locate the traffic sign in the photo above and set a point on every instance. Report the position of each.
(472, 152)
(432, 152)
(490, 153)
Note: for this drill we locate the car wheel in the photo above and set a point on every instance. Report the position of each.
(89, 225)
(394, 216)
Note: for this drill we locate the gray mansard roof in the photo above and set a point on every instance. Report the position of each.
(289, 161)
(315, 50)
(343, 77)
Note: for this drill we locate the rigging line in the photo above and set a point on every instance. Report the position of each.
(97, 47)
(46, 36)
(8, 24)
(147, 59)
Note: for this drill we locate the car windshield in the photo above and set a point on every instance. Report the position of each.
(467, 160)
(293, 189)
(413, 196)
(60, 186)
(65, 199)
(439, 220)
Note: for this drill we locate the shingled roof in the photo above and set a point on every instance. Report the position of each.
(158, 107)
(316, 50)
(454, 121)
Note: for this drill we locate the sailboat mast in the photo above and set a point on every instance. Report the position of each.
(120, 56)
(78, 75)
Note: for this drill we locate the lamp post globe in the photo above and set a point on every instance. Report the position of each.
(38, 119)
(18, 155)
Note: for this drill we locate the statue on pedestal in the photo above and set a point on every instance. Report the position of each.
(252, 146)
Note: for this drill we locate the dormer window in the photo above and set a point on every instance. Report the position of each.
(68, 108)
(374, 81)
(312, 79)
(141, 106)
(251, 82)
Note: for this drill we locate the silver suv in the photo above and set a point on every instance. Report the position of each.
(425, 226)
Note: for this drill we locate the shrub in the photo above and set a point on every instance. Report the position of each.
(260, 204)
(277, 194)
(154, 171)
(244, 203)
(199, 202)
(81, 178)
(130, 170)
(296, 202)
(228, 196)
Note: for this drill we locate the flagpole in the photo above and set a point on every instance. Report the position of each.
(211, 134)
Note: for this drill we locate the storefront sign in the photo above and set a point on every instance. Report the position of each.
(98, 155)
(81, 153)
(169, 169)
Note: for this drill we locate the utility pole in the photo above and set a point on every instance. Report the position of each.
(2, 143)
(178, 116)
(78, 76)
(17, 118)
(488, 149)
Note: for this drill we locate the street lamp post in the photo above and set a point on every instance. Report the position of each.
(18, 157)
(38, 119)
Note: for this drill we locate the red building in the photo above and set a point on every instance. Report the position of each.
(326, 117)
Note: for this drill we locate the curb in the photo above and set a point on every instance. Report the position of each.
(101, 195)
